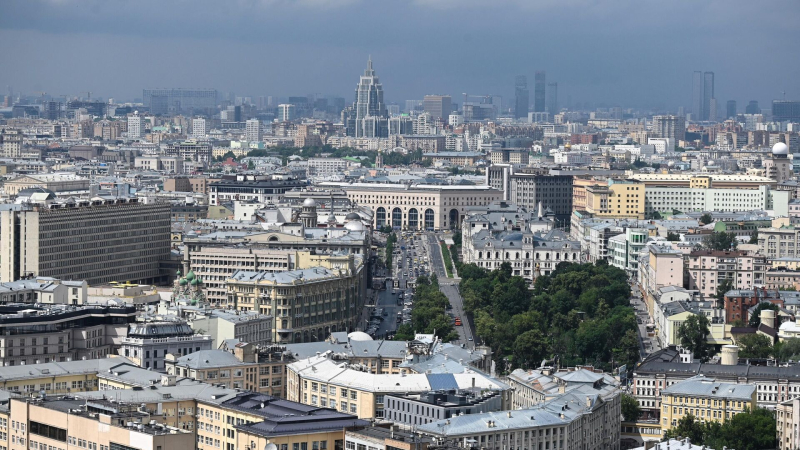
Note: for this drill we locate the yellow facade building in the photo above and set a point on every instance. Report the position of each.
(706, 399)
(619, 199)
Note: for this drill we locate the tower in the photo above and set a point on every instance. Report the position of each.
(708, 95)
(308, 215)
(552, 98)
(730, 109)
(521, 97)
(539, 91)
(369, 99)
(697, 95)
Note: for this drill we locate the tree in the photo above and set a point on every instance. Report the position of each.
(790, 349)
(627, 352)
(753, 237)
(673, 237)
(748, 430)
(404, 332)
(720, 240)
(755, 316)
(693, 335)
(630, 408)
(251, 165)
(530, 348)
(656, 215)
(706, 219)
(754, 346)
(723, 288)
(688, 426)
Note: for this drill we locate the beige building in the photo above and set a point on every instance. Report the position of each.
(787, 415)
(10, 143)
(718, 181)
(242, 367)
(98, 241)
(56, 182)
(620, 199)
(779, 241)
(706, 399)
(510, 156)
(418, 207)
(307, 304)
(466, 159)
(325, 382)
(706, 270)
(185, 184)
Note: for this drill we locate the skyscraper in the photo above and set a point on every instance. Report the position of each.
(539, 91)
(174, 101)
(135, 126)
(521, 97)
(286, 112)
(552, 98)
(697, 95)
(369, 98)
(730, 109)
(708, 94)
(752, 108)
(439, 106)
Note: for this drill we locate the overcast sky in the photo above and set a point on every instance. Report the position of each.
(638, 53)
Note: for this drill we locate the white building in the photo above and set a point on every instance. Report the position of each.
(685, 199)
(253, 130)
(326, 166)
(198, 128)
(662, 145)
(286, 112)
(135, 126)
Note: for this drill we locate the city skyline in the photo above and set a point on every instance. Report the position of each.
(180, 48)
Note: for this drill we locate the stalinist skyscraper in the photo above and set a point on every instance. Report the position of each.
(368, 115)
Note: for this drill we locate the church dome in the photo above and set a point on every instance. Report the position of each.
(183, 282)
(780, 149)
(309, 202)
(190, 275)
(352, 216)
(354, 225)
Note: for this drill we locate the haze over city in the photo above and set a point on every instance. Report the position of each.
(612, 53)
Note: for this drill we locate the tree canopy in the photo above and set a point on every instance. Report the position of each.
(579, 314)
(755, 316)
(428, 315)
(630, 408)
(693, 335)
(706, 219)
(748, 430)
(755, 346)
(720, 240)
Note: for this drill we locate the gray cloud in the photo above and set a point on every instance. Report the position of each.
(625, 52)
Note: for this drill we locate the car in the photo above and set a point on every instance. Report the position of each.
(469, 338)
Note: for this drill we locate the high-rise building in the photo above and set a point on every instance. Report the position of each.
(439, 106)
(730, 109)
(539, 91)
(286, 112)
(552, 98)
(712, 109)
(253, 130)
(176, 101)
(697, 95)
(521, 97)
(10, 143)
(369, 99)
(99, 241)
(708, 95)
(752, 108)
(135, 126)
(670, 127)
(785, 110)
(198, 128)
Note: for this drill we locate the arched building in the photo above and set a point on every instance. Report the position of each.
(419, 207)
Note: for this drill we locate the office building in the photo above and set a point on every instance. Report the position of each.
(10, 143)
(709, 100)
(264, 191)
(697, 96)
(286, 112)
(786, 111)
(669, 127)
(574, 420)
(98, 241)
(418, 409)
(706, 399)
(253, 130)
(367, 117)
(307, 304)
(730, 109)
(73, 333)
(752, 108)
(521, 100)
(148, 343)
(199, 128)
(326, 381)
(552, 98)
(179, 101)
(438, 106)
(222, 325)
(528, 188)
(539, 91)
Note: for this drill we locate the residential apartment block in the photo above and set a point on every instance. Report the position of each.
(707, 269)
(706, 399)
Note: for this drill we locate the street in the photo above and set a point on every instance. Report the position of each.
(647, 344)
